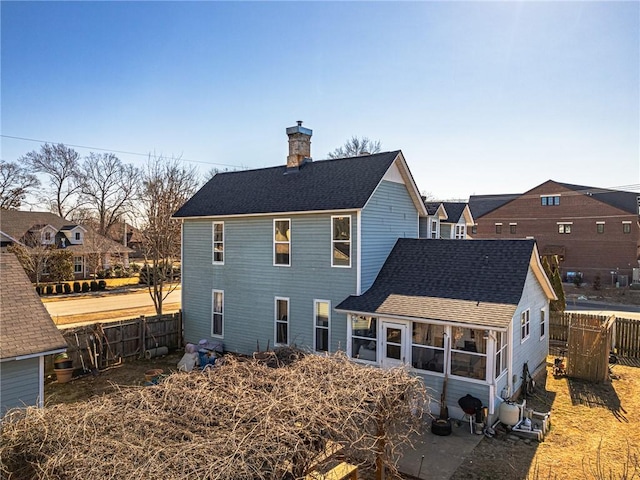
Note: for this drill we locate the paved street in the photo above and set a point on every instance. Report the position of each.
(104, 303)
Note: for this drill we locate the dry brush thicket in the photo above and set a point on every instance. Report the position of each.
(241, 420)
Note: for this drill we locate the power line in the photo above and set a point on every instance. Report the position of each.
(124, 152)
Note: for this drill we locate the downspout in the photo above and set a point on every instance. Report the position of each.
(359, 253)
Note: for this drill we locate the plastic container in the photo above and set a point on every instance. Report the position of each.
(509, 413)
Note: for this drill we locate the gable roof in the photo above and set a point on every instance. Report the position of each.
(472, 281)
(482, 204)
(340, 184)
(627, 201)
(26, 327)
(454, 210)
(15, 224)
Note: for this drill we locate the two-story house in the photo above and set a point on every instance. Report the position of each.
(37, 230)
(446, 220)
(590, 231)
(325, 255)
(268, 253)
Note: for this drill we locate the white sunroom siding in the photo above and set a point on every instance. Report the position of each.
(390, 214)
(251, 282)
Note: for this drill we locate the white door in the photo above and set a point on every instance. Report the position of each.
(394, 344)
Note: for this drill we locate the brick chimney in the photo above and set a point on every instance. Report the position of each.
(299, 145)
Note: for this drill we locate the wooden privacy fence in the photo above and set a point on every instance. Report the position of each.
(102, 345)
(625, 336)
(588, 348)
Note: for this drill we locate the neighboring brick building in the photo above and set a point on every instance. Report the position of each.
(593, 231)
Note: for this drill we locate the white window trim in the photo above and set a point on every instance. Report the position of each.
(526, 316)
(565, 228)
(316, 327)
(273, 236)
(342, 241)
(477, 354)
(445, 354)
(213, 312)
(213, 243)
(460, 231)
(350, 352)
(276, 321)
(81, 264)
(505, 352)
(543, 323)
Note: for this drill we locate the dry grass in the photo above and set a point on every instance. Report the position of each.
(595, 434)
(108, 315)
(242, 420)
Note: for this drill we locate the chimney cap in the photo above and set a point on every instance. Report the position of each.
(299, 129)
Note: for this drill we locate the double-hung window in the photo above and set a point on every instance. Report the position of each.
(626, 227)
(501, 353)
(461, 232)
(434, 229)
(282, 321)
(543, 324)
(217, 317)
(525, 326)
(321, 325)
(78, 265)
(282, 242)
(600, 227)
(341, 241)
(498, 228)
(427, 347)
(218, 242)
(513, 228)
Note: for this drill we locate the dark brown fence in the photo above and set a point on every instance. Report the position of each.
(625, 331)
(102, 345)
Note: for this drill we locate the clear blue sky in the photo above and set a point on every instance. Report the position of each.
(481, 97)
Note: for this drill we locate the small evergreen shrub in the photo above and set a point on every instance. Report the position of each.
(85, 286)
(94, 286)
(49, 289)
(76, 287)
(38, 289)
(67, 288)
(597, 282)
(59, 288)
(102, 285)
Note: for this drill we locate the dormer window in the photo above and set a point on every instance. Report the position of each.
(78, 238)
(47, 236)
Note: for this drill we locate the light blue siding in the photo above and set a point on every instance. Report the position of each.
(251, 282)
(390, 214)
(423, 229)
(19, 383)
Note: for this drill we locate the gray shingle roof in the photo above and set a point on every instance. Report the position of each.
(482, 204)
(454, 210)
(340, 184)
(627, 201)
(25, 325)
(17, 223)
(472, 281)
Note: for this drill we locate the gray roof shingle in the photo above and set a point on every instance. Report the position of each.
(339, 184)
(472, 281)
(26, 327)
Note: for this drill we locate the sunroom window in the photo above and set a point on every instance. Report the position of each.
(427, 347)
(468, 353)
(364, 338)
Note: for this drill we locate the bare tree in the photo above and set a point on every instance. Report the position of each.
(34, 259)
(166, 186)
(355, 147)
(62, 165)
(15, 183)
(109, 188)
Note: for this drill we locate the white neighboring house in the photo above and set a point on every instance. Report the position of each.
(32, 229)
